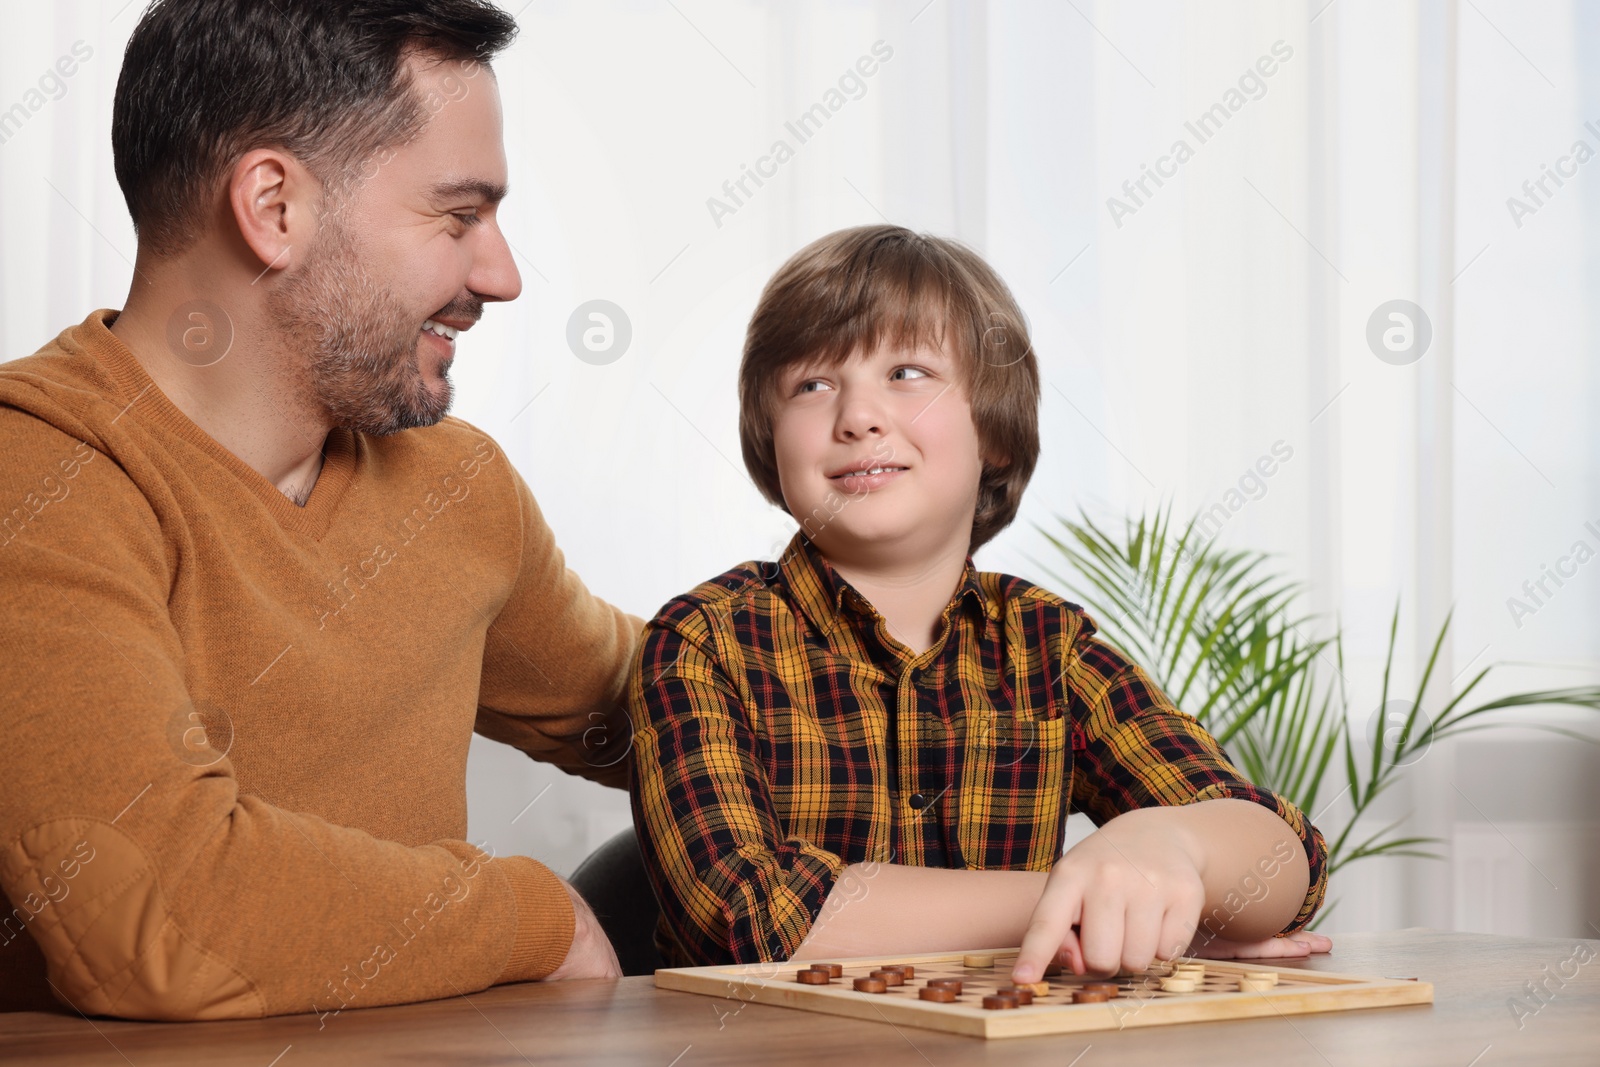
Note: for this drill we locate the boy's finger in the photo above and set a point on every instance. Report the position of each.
(1291, 947)
(1039, 946)
(1317, 942)
(1046, 935)
(1141, 938)
(1100, 932)
(1070, 954)
(1176, 936)
(1058, 909)
(1302, 945)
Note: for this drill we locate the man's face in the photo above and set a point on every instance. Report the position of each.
(902, 410)
(414, 240)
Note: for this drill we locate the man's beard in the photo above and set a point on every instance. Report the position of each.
(356, 344)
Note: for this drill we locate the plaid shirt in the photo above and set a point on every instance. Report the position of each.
(780, 734)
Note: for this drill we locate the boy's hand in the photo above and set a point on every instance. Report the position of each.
(1132, 892)
(1290, 946)
(1125, 895)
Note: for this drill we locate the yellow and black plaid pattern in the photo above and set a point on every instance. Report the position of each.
(781, 733)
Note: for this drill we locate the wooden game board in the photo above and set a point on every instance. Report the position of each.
(1141, 1001)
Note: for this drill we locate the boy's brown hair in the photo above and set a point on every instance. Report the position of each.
(854, 289)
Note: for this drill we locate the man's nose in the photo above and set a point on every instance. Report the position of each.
(494, 272)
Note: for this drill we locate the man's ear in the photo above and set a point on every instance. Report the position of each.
(271, 196)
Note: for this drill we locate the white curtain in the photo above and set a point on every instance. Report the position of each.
(1339, 156)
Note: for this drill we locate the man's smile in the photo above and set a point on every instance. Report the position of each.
(445, 331)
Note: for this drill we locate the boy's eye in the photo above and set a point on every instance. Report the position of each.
(805, 387)
(913, 370)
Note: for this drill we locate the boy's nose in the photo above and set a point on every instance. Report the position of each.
(860, 429)
(859, 417)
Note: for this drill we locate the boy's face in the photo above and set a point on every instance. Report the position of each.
(902, 412)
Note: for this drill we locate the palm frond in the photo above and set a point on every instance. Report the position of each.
(1217, 630)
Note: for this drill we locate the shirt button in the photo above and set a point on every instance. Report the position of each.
(918, 802)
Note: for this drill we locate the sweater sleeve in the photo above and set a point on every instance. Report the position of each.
(555, 663)
(153, 884)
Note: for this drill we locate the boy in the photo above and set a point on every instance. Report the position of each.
(870, 747)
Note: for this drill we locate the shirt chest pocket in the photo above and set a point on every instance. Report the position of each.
(1014, 780)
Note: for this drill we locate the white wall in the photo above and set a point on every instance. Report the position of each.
(1226, 314)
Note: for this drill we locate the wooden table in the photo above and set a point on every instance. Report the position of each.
(1470, 1024)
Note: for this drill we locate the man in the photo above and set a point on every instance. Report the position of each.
(258, 589)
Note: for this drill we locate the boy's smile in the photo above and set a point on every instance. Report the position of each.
(866, 474)
(878, 457)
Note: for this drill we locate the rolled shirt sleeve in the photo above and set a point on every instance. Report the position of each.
(1142, 751)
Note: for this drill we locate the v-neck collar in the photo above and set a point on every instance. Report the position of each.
(146, 400)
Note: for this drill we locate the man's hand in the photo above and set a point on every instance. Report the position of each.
(591, 954)
(1120, 898)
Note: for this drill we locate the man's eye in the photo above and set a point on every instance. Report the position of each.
(467, 220)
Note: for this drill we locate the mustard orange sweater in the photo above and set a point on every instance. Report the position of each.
(232, 773)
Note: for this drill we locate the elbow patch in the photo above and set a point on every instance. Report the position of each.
(91, 897)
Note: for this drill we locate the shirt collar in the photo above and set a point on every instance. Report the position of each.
(825, 596)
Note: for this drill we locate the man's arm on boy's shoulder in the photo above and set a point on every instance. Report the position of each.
(733, 885)
(555, 662)
(158, 889)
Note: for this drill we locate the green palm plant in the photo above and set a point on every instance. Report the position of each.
(1219, 631)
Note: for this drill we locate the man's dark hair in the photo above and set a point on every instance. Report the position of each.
(205, 81)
